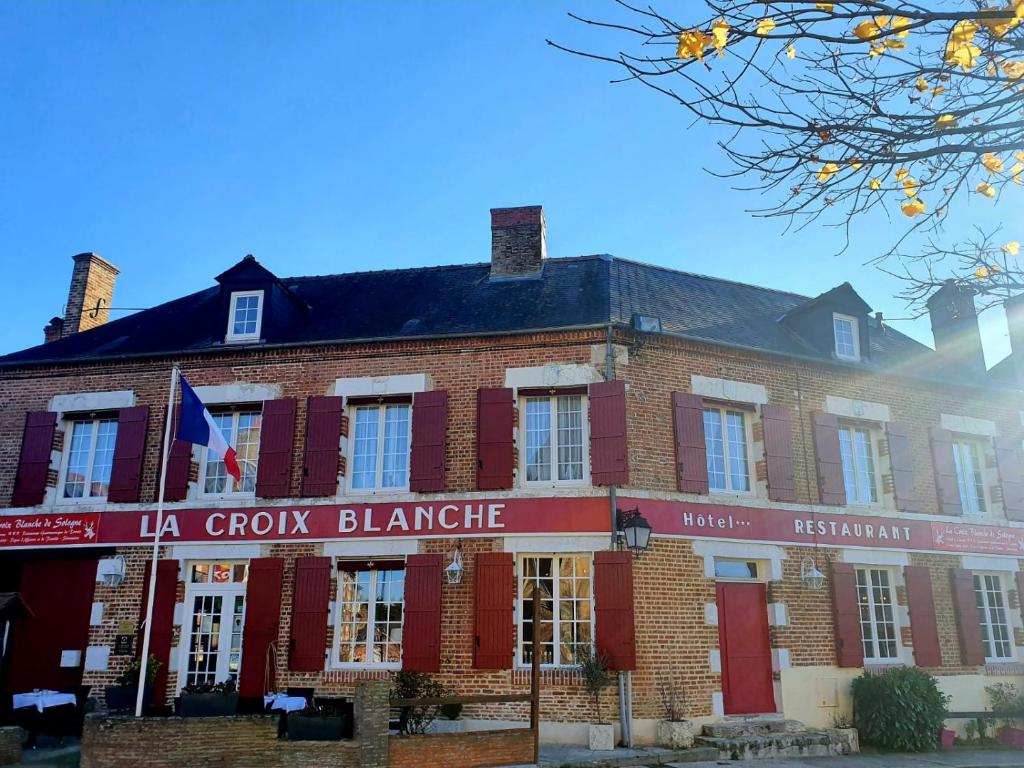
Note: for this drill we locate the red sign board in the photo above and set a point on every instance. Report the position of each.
(961, 537)
(49, 530)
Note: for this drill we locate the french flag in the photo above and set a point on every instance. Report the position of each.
(196, 426)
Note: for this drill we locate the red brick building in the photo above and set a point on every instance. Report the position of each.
(385, 421)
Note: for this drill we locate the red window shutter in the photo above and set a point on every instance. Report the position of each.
(901, 460)
(691, 452)
(262, 621)
(34, 463)
(1011, 477)
(277, 439)
(163, 621)
(323, 434)
(778, 452)
(126, 472)
(179, 465)
(495, 455)
(945, 471)
(494, 593)
(609, 447)
(831, 489)
(1019, 578)
(309, 614)
(429, 441)
(613, 609)
(421, 630)
(846, 616)
(921, 604)
(968, 620)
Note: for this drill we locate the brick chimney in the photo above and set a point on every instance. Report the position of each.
(53, 330)
(90, 294)
(955, 327)
(518, 241)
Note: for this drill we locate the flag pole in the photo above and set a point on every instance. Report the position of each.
(146, 632)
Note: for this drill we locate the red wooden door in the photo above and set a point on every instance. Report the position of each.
(746, 655)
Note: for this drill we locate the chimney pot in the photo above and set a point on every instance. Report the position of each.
(53, 330)
(90, 294)
(954, 321)
(518, 241)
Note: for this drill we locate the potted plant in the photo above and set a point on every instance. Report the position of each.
(1008, 703)
(450, 720)
(674, 732)
(208, 700)
(316, 723)
(122, 695)
(593, 668)
(416, 685)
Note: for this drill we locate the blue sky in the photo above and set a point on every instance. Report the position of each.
(173, 138)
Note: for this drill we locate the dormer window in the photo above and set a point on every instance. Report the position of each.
(847, 336)
(246, 316)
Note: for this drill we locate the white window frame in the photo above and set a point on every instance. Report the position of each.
(855, 330)
(229, 488)
(872, 435)
(521, 557)
(872, 617)
(748, 430)
(977, 452)
(231, 336)
(228, 591)
(985, 615)
(350, 451)
(65, 462)
(336, 661)
(585, 437)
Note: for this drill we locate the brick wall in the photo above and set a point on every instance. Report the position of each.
(465, 750)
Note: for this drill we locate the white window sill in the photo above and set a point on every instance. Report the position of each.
(377, 491)
(356, 667)
(727, 492)
(242, 339)
(78, 500)
(556, 483)
(226, 496)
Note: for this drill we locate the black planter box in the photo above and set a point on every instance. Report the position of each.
(306, 728)
(121, 698)
(207, 704)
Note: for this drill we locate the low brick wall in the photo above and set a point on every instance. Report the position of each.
(475, 749)
(11, 737)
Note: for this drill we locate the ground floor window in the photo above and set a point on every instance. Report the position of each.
(995, 626)
(215, 599)
(371, 602)
(877, 619)
(565, 623)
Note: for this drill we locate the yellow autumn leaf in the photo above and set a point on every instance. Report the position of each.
(938, 90)
(945, 121)
(868, 29)
(992, 163)
(891, 42)
(765, 26)
(910, 187)
(791, 51)
(921, 85)
(875, 184)
(981, 272)
(960, 49)
(913, 207)
(1019, 155)
(1017, 168)
(1013, 69)
(876, 50)
(901, 26)
(720, 35)
(901, 174)
(827, 171)
(856, 164)
(1012, 248)
(998, 26)
(986, 189)
(692, 44)
(826, 7)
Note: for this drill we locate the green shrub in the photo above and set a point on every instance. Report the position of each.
(417, 685)
(901, 709)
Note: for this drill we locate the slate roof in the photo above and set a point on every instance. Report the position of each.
(460, 300)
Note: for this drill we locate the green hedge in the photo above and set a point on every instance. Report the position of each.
(901, 709)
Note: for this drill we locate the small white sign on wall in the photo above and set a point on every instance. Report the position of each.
(70, 658)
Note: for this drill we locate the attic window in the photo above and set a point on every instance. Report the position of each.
(847, 335)
(246, 316)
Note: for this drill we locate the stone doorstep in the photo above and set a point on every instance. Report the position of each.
(633, 757)
(760, 726)
(827, 743)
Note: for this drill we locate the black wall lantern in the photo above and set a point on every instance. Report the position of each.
(635, 530)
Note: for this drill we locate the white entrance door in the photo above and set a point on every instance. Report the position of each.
(215, 606)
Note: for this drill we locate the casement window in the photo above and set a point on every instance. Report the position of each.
(380, 446)
(88, 458)
(860, 475)
(725, 442)
(246, 316)
(242, 431)
(212, 633)
(565, 622)
(996, 637)
(554, 432)
(877, 617)
(847, 337)
(968, 459)
(369, 617)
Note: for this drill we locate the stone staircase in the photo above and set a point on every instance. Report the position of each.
(762, 737)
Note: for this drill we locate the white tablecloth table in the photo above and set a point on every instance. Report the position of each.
(284, 703)
(43, 700)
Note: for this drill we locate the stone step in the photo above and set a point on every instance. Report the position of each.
(784, 744)
(737, 728)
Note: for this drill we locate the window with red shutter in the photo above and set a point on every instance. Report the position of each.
(179, 464)
(923, 626)
(1011, 477)
(495, 455)
(609, 447)
(262, 622)
(945, 471)
(846, 616)
(163, 621)
(901, 461)
(321, 452)
(831, 488)
(968, 620)
(613, 608)
(309, 614)
(778, 452)
(1019, 580)
(421, 633)
(494, 597)
(691, 454)
(34, 462)
(429, 441)
(126, 472)
(277, 439)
